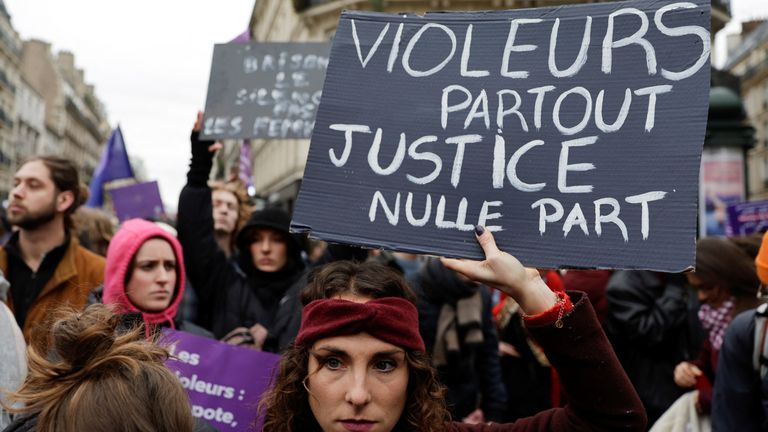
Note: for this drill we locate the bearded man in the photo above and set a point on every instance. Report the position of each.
(44, 263)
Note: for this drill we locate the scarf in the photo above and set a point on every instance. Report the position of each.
(716, 320)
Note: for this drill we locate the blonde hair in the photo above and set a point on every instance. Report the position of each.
(100, 378)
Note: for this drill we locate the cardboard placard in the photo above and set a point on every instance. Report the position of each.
(574, 133)
(224, 382)
(141, 200)
(264, 90)
(747, 218)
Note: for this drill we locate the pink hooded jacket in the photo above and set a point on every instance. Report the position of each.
(123, 247)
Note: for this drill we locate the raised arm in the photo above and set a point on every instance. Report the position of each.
(207, 267)
(601, 396)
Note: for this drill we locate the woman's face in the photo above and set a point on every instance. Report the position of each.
(357, 383)
(269, 250)
(707, 293)
(153, 281)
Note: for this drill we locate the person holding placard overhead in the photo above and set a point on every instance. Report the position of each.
(359, 362)
(257, 303)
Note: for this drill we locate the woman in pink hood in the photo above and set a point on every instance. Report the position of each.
(144, 274)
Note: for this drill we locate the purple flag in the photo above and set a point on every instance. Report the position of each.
(245, 163)
(224, 382)
(138, 201)
(113, 165)
(747, 218)
(242, 38)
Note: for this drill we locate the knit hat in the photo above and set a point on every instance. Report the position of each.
(761, 261)
(273, 218)
(123, 247)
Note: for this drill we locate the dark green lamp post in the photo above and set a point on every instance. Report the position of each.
(724, 176)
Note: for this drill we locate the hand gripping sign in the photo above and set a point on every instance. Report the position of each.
(574, 133)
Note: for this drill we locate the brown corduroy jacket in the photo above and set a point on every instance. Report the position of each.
(79, 272)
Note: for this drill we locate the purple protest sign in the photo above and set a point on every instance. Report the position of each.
(224, 382)
(747, 218)
(137, 201)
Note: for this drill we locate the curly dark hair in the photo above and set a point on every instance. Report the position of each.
(285, 406)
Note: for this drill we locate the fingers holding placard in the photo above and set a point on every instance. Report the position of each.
(503, 271)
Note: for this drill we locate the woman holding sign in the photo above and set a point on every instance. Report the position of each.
(359, 363)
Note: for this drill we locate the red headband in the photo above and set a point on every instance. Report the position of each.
(391, 319)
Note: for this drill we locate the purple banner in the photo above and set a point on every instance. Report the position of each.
(138, 201)
(224, 382)
(747, 218)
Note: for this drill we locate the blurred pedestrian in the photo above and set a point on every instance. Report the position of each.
(98, 378)
(256, 304)
(653, 325)
(459, 333)
(740, 395)
(359, 363)
(531, 383)
(43, 261)
(726, 283)
(95, 228)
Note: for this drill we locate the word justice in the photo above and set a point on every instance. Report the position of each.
(502, 168)
(504, 171)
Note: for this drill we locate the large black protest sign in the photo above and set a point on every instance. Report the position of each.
(264, 90)
(573, 133)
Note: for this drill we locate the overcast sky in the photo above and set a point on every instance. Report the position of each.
(150, 62)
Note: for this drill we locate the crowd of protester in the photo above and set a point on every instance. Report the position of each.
(476, 342)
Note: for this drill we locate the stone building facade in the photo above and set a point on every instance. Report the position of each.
(10, 50)
(29, 127)
(278, 165)
(749, 61)
(76, 124)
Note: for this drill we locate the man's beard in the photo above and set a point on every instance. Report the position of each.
(31, 221)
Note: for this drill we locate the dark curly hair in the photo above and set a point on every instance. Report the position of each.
(285, 405)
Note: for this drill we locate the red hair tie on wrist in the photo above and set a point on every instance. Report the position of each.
(391, 319)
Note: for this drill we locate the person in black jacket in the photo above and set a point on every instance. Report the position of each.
(457, 326)
(257, 303)
(740, 396)
(653, 325)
